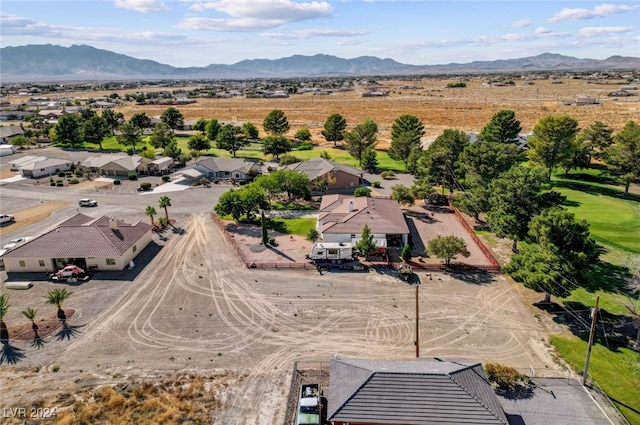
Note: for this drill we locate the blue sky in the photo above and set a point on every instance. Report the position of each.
(198, 33)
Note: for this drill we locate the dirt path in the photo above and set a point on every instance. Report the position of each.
(31, 215)
(194, 308)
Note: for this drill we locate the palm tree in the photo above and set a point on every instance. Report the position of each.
(150, 212)
(57, 297)
(165, 202)
(30, 313)
(4, 307)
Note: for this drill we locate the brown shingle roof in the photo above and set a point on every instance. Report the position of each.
(81, 236)
(383, 216)
(317, 167)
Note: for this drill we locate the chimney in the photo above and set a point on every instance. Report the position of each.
(113, 224)
(350, 206)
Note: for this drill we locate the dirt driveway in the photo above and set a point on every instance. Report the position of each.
(194, 308)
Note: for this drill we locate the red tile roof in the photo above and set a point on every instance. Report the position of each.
(383, 216)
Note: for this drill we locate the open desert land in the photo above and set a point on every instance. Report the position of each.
(190, 312)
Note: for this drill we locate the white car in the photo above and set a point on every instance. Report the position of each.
(15, 242)
(86, 202)
(7, 218)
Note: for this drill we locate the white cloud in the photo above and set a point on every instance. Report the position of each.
(311, 33)
(269, 10)
(542, 31)
(521, 23)
(142, 6)
(16, 25)
(598, 31)
(227, 25)
(601, 10)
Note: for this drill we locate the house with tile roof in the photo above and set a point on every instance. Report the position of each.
(45, 166)
(421, 391)
(339, 178)
(115, 165)
(218, 168)
(102, 243)
(342, 217)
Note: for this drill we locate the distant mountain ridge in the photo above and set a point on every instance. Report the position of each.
(85, 63)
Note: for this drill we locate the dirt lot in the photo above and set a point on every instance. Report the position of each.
(193, 308)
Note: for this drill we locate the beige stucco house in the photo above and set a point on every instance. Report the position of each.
(339, 178)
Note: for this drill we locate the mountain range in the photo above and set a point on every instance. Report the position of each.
(49, 62)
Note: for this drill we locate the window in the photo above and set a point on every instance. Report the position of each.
(22, 263)
(353, 236)
(41, 262)
(111, 262)
(333, 251)
(135, 248)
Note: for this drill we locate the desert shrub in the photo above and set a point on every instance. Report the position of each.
(132, 176)
(117, 182)
(387, 174)
(52, 183)
(287, 159)
(456, 85)
(362, 191)
(313, 235)
(145, 186)
(59, 183)
(166, 178)
(406, 253)
(61, 174)
(74, 181)
(375, 183)
(505, 378)
(78, 172)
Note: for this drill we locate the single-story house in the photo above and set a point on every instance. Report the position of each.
(341, 219)
(158, 166)
(115, 165)
(418, 391)
(14, 115)
(91, 243)
(45, 167)
(16, 163)
(52, 114)
(339, 177)
(620, 93)
(216, 168)
(6, 133)
(103, 105)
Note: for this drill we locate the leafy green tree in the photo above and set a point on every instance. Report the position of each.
(595, 139)
(362, 191)
(369, 160)
(198, 143)
(448, 248)
(578, 156)
(275, 123)
(130, 135)
(87, 114)
(623, 157)
(212, 129)
(366, 245)
(95, 129)
(406, 254)
(114, 119)
(502, 128)
(334, 128)
(487, 160)
(250, 131)
(140, 120)
(288, 159)
(364, 136)
(68, 130)
(246, 201)
(21, 140)
(57, 297)
(293, 183)
(150, 212)
(200, 125)
(161, 136)
(513, 201)
(402, 194)
(276, 144)
(165, 202)
(552, 141)
(172, 150)
(231, 138)
(406, 132)
(303, 134)
(173, 118)
(422, 189)
(439, 161)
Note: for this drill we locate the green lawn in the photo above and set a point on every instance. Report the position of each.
(616, 371)
(292, 226)
(614, 222)
(613, 303)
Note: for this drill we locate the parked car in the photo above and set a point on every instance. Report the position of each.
(14, 243)
(7, 218)
(70, 270)
(86, 202)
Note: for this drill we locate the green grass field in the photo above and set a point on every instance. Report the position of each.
(617, 372)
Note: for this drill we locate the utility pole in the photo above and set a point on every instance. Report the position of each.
(594, 318)
(417, 323)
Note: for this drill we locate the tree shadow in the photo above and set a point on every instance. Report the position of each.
(280, 253)
(596, 190)
(67, 331)
(608, 277)
(10, 354)
(519, 392)
(476, 277)
(37, 341)
(416, 244)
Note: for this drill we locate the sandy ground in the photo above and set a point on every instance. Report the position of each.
(193, 307)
